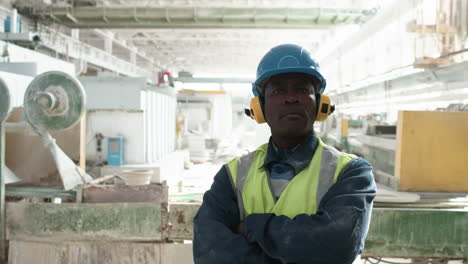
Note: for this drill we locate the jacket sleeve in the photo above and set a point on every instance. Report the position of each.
(335, 234)
(214, 239)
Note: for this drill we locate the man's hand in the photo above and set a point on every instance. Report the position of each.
(239, 228)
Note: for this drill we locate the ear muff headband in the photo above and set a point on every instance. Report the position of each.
(324, 109)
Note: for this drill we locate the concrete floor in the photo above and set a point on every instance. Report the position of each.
(196, 181)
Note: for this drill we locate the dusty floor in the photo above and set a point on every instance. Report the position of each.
(196, 181)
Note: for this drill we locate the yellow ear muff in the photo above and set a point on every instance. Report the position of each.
(325, 108)
(255, 111)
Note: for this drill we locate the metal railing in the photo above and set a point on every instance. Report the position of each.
(76, 49)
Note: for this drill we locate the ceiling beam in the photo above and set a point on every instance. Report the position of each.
(207, 35)
(201, 17)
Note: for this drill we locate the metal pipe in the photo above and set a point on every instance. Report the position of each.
(3, 251)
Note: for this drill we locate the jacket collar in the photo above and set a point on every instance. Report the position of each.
(297, 157)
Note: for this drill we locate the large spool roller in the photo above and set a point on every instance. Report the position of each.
(5, 100)
(54, 100)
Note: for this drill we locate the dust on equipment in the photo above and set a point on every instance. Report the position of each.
(56, 101)
(53, 101)
(94, 220)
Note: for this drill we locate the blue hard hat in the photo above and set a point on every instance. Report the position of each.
(287, 58)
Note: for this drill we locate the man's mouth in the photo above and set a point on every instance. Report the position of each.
(294, 115)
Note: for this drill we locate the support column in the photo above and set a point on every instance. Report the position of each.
(133, 56)
(3, 252)
(75, 33)
(108, 42)
(14, 21)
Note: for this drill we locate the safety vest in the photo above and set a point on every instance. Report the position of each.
(303, 193)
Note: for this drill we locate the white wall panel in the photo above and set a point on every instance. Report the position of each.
(160, 110)
(155, 136)
(221, 116)
(113, 92)
(112, 123)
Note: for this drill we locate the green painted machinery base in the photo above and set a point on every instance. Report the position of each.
(417, 233)
(394, 232)
(39, 192)
(77, 221)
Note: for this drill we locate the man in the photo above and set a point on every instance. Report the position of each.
(295, 199)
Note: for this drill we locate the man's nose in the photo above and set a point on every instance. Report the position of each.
(291, 98)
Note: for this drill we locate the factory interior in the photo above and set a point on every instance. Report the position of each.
(115, 116)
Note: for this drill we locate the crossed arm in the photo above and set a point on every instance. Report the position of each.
(335, 234)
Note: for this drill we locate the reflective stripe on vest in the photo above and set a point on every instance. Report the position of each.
(302, 195)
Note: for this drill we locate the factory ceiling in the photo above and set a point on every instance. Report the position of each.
(225, 37)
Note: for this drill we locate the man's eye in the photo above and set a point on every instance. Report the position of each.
(277, 92)
(303, 91)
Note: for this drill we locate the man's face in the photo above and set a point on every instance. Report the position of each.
(290, 107)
